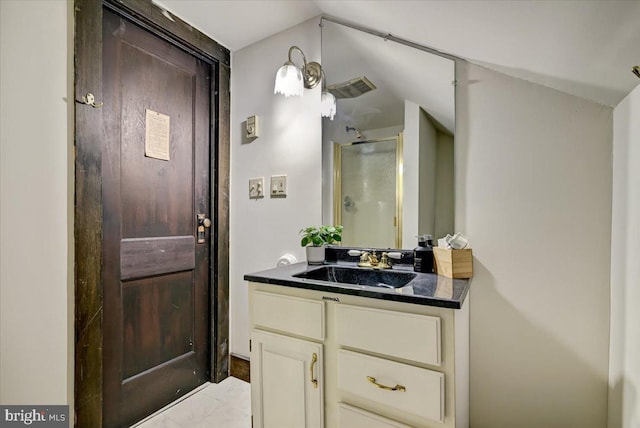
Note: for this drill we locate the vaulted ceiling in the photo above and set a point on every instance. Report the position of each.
(585, 48)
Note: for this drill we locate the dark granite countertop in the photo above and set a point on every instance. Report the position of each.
(425, 289)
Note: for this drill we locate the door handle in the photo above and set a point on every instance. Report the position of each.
(203, 222)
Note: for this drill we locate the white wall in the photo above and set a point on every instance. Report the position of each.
(445, 187)
(36, 270)
(624, 368)
(411, 171)
(289, 143)
(427, 152)
(533, 193)
(380, 133)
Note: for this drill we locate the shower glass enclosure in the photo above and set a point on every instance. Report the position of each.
(367, 192)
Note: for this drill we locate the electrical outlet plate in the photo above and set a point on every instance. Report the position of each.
(256, 188)
(278, 188)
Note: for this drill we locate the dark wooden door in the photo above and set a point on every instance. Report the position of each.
(156, 272)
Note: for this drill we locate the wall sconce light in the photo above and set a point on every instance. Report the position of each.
(327, 104)
(292, 79)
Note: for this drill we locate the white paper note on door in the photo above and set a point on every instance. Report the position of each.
(156, 136)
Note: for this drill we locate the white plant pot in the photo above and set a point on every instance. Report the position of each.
(315, 255)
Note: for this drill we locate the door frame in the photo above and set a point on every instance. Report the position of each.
(88, 207)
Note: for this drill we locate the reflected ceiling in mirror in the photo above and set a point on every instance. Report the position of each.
(399, 73)
(413, 98)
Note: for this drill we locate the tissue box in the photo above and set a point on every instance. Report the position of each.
(453, 263)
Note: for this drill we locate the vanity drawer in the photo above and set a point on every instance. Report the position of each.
(423, 393)
(295, 315)
(409, 336)
(352, 417)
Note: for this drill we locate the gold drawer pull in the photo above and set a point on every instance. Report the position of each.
(388, 388)
(314, 360)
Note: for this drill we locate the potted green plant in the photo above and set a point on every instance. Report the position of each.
(315, 238)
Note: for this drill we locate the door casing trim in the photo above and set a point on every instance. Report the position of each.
(88, 191)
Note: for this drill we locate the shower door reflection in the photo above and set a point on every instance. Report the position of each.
(367, 195)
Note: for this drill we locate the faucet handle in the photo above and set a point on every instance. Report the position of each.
(364, 255)
(394, 255)
(384, 261)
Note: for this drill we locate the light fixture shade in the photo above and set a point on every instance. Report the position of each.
(289, 81)
(327, 105)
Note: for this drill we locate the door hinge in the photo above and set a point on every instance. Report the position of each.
(249, 345)
(251, 415)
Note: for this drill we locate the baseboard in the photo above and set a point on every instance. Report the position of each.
(240, 368)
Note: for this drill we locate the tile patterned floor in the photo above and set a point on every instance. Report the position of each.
(223, 405)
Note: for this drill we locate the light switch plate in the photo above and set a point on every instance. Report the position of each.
(278, 188)
(256, 188)
(253, 127)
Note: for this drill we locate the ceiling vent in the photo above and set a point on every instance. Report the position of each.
(352, 88)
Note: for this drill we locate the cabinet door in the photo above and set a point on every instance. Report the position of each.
(286, 382)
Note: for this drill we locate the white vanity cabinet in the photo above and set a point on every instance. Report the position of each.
(379, 363)
(287, 372)
(286, 381)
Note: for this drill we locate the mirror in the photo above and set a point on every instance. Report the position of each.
(388, 159)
